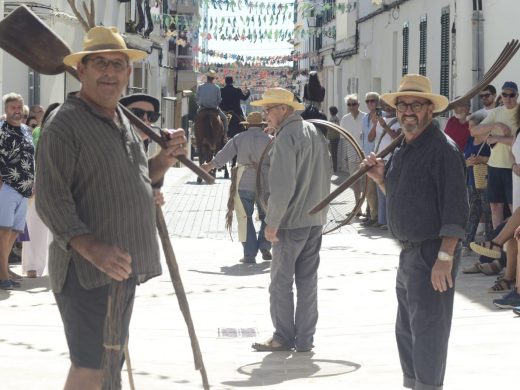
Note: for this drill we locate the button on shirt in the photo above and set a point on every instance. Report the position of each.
(17, 158)
(425, 185)
(93, 178)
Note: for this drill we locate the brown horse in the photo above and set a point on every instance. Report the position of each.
(209, 135)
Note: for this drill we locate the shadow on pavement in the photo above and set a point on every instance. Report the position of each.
(278, 367)
(240, 269)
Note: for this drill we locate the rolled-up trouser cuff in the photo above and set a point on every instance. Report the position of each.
(409, 383)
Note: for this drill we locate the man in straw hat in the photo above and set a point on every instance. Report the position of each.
(427, 210)
(299, 176)
(208, 96)
(95, 195)
(248, 147)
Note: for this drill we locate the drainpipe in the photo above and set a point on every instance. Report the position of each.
(477, 21)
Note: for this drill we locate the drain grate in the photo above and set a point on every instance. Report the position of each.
(237, 332)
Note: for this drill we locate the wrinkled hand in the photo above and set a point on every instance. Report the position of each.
(441, 275)
(208, 166)
(377, 172)
(270, 234)
(470, 161)
(176, 142)
(112, 260)
(158, 197)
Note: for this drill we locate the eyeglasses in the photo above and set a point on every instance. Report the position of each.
(370, 101)
(151, 115)
(508, 95)
(352, 104)
(484, 95)
(267, 110)
(102, 63)
(415, 106)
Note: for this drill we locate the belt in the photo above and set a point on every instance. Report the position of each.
(410, 244)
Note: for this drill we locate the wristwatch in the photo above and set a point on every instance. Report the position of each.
(444, 256)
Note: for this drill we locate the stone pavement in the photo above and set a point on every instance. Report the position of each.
(355, 347)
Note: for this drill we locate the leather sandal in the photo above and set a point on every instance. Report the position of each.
(492, 268)
(502, 285)
(270, 345)
(487, 248)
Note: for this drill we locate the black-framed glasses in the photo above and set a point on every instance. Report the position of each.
(484, 95)
(508, 95)
(415, 106)
(151, 115)
(102, 63)
(268, 109)
(353, 104)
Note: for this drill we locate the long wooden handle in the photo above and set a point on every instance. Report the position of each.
(355, 177)
(181, 294)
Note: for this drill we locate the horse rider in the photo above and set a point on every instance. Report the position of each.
(231, 97)
(209, 97)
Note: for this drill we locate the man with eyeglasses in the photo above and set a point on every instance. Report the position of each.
(299, 176)
(95, 195)
(427, 209)
(487, 97)
(499, 127)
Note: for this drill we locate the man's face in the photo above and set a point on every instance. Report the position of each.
(353, 106)
(487, 98)
(371, 103)
(104, 77)
(414, 114)
(275, 114)
(14, 112)
(143, 110)
(509, 98)
(37, 112)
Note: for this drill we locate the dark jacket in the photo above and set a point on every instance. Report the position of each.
(231, 97)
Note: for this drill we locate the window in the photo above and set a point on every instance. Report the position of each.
(445, 52)
(422, 45)
(406, 37)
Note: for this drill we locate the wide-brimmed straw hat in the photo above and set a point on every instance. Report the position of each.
(419, 86)
(278, 96)
(211, 73)
(254, 119)
(101, 39)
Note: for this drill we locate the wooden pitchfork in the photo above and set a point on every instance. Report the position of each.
(26, 37)
(503, 59)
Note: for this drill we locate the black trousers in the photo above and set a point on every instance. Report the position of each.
(423, 318)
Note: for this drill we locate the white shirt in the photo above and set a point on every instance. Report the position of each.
(353, 126)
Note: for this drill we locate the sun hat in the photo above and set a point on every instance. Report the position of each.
(254, 118)
(419, 86)
(211, 73)
(140, 97)
(101, 39)
(278, 96)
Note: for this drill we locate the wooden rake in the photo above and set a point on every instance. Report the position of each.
(503, 59)
(27, 38)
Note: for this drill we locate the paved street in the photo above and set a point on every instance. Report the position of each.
(355, 346)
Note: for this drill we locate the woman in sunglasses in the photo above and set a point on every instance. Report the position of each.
(145, 107)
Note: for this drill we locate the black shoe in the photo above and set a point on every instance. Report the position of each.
(266, 254)
(368, 223)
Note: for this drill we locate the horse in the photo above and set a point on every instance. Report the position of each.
(209, 136)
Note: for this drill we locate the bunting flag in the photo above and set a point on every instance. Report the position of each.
(264, 60)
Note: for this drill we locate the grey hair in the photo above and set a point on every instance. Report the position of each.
(352, 96)
(476, 117)
(374, 95)
(11, 97)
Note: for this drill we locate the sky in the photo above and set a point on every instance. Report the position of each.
(248, 48)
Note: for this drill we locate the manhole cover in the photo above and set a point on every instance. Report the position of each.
(237, 332)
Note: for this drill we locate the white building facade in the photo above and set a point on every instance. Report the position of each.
(453, 42)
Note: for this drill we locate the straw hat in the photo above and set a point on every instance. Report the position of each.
(278, 96)
(211, 73)
(254, 119)
(420, 86)
(101, 39)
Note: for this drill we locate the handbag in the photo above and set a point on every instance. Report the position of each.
(480, 172)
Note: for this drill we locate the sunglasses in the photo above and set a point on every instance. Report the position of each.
(151, 115)
(370, 101)
(352, 104)
(508, 95)
(484, 95)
